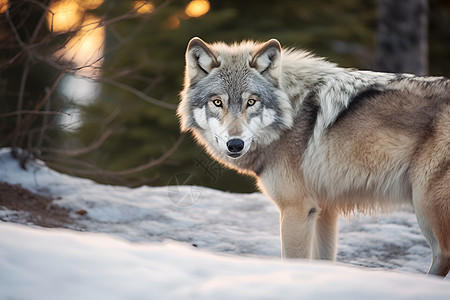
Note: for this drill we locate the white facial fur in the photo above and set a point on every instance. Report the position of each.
(246, 125)
(221, 133)
(200, 117)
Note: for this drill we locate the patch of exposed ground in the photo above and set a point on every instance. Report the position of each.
(23, 206)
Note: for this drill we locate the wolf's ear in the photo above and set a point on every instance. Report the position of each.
(200, 60)
(266, 60)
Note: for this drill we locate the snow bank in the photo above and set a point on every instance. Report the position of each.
(146, 248)
(63, 264)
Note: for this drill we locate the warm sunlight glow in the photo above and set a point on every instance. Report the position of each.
(64, 15)
(3, 6)
(143, 7)
(90, 4)
(197, 8)
(172, 22)
(85, 49)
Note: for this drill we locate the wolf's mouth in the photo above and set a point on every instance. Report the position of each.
(234, 155)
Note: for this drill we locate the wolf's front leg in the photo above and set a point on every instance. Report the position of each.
(297, 231)
(325, 242)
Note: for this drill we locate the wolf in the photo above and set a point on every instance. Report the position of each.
(323, 140)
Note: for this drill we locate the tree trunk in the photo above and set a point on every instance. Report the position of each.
(403, 37)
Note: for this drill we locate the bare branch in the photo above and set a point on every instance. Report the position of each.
(31, 117)
(112, 116)
(98, 171)
(40, 4)
(95, 145)
(14, 30)
(44, 126)
(138, 93)
(41, 20)
(152, 163)
(32, 112)
(52, 163)
(60, 163)
(23, 81)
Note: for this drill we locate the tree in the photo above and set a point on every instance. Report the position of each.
(28, 83)
(39, 47)
(403, 37)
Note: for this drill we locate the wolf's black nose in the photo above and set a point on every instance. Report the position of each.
(235, 145)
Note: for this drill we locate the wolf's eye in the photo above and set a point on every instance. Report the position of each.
(251, 102)
(217, 102)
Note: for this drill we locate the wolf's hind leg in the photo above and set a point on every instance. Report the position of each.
(326, 234)
(433, 215)
(430, 178)
(440, 264)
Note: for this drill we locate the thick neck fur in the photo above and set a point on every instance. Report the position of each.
(303, 73)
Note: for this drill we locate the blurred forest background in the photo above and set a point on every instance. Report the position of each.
(91, 86)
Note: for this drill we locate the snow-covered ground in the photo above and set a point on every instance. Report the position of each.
(151, 243)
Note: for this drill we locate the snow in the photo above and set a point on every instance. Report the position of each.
(194, 242)
(62, 264)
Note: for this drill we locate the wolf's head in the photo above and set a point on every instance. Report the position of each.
(231, 99)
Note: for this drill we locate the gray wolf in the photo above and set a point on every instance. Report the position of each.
(323, 140)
